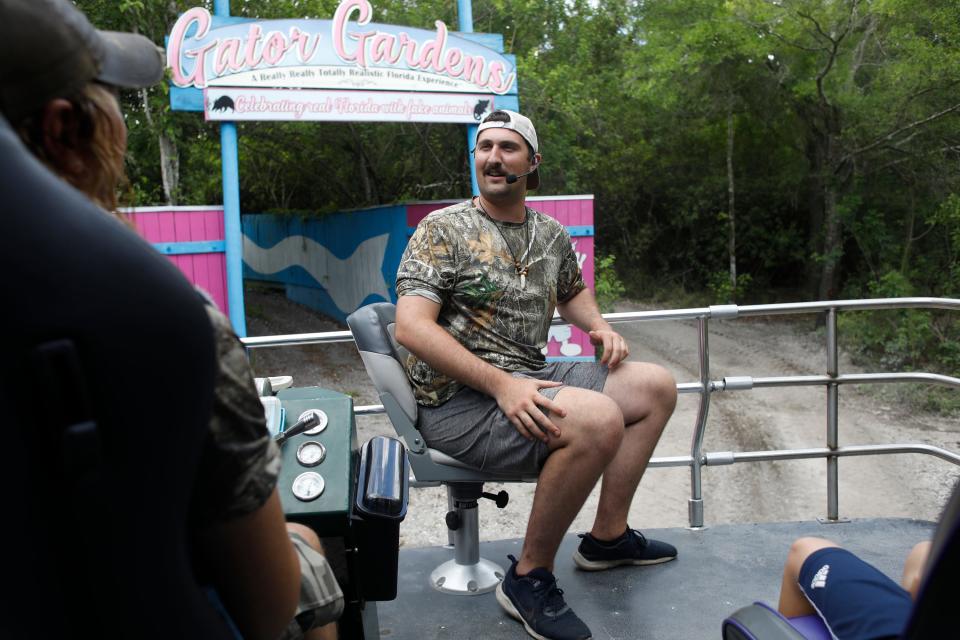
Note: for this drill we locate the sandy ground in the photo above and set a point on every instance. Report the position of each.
(907, 485)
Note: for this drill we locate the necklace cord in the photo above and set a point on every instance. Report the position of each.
(520, 268)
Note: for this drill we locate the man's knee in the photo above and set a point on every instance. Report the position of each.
(663, 387)
(803, 548)
(598, 423)
(642, 389)
(309, 535)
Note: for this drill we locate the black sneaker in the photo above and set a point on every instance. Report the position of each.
(537, 602)
(630, 548)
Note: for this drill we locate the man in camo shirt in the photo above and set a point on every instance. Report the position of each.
(478, 286)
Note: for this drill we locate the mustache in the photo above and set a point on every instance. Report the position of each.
(494, 168)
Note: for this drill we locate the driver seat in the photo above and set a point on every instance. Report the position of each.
(106, 384)
(374, 330)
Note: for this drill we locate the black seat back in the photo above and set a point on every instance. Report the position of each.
(106, 386)
(933, 615)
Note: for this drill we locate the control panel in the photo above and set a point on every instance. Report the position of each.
(317, 481)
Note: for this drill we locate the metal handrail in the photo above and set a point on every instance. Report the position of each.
(296, 339)
(705, 387)
(717, 312)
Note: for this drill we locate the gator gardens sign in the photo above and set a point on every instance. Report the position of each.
(347, 68)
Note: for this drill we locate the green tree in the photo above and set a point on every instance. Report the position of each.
(789, 148)
(869, 83)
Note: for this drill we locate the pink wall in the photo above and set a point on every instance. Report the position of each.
(572, 212)
(173, 225)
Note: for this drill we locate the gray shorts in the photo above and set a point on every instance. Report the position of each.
(471, 428)
(321, 600)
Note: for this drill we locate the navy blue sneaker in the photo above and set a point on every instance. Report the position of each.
(537, 602)
(630, 548)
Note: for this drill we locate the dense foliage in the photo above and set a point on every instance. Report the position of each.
(750, 149)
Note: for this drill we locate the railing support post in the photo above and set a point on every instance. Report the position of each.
(833, 404)
(695, 504)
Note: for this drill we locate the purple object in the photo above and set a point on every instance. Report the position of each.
(811, 626)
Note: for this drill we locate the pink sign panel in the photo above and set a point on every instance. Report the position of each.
(191, 238)
(576, 214)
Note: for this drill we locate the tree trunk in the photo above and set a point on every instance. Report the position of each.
(731, 209)
(826, 181)
(169, 169)
(830, 273)
(835, 181)
(169, 156)
(362, 167)
(815, 211)
(908, 236)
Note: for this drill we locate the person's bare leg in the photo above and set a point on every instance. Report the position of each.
(913, 568)
(591, 433)
(327, 631)
(792, 601)
(647, 395)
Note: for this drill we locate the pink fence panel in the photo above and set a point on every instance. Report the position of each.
(193, 239)
(576, 214)
(417, 211)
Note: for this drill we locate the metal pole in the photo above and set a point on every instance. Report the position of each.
(233, 235)
(465, 15)
(451, 506)
(833, 508)
(695, 505)
(465, 22)
(466, 549)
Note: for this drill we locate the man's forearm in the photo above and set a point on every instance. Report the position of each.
(582, 311)
(428, 341)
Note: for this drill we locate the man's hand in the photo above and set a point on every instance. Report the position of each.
(521, 401)
(615, 349)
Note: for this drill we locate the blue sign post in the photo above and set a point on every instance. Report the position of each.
(233, 234)
(465, 19)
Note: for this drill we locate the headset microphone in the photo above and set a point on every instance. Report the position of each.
(512, 177)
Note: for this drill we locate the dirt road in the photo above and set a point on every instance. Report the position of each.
(900, 485)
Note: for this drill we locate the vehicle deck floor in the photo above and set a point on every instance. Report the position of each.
(719, 569)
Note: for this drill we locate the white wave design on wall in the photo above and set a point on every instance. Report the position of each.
(348, 282)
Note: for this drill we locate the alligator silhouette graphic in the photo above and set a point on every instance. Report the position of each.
(480, 109)
(223, 103)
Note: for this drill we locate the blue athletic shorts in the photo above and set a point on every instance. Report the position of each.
(857, 601)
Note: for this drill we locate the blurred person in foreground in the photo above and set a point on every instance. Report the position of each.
(59, 87)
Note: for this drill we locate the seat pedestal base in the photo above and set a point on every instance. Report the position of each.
(467, 579)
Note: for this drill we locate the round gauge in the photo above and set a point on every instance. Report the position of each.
(308, 486)
(311, 453)
(320, 425)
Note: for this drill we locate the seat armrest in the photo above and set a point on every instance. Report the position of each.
(758, 622)
(264, 387)
(273, 411)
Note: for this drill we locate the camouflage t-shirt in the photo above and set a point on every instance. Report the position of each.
(465, 261)
(240, 462)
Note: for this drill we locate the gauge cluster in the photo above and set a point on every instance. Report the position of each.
(317, 469)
